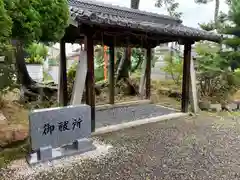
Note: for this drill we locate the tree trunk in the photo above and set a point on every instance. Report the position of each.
(124, 69)
(217, 6)
(124, 66)
(139, 63)
(30, 88)
(23, 76)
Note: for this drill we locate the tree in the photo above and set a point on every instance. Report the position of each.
(174, 67)
(35, 20)
(5, 24)
(215, 24)
(233, 41)
(216, 81)
(124, 65)
(6, 70)
(171, 6)
(220, 18)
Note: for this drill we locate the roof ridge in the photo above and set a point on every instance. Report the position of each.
(122, 8)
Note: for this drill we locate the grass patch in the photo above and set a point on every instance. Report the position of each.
(13, 152)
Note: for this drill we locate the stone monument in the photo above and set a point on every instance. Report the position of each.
(58, 132)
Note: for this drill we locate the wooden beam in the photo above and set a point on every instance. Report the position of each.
(62, 85)
(148, 73)
(193, 88)
(143, 79)
(186, 77)
(80, 79)
(111, 75)
(90, 82)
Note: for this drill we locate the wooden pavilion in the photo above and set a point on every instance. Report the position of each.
(98, 23)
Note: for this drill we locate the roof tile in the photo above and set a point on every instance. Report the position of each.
(81, 10)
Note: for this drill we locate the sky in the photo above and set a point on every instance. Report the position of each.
(192, 13)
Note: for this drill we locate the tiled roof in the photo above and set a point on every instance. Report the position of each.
(108, 15)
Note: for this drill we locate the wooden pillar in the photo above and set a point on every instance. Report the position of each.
(111, 75)
(90, 82)
(62, 86)
(193, 88)
(186, 77)
(148, 73)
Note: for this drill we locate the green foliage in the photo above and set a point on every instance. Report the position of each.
(207, 26)
(5, 24)
(137, 57)
(53, 62)
(99, 74)
(206, 48)
(216, 81)
(216, 24)
(99, 56)
(26, 19)
(154, 58)
(234, 12)
(37, 53)
(234, 30)
(72, 73)
(54, 18)
(171, 7)
(174, 67)
(7, 71)
(47, 78)
(37, 49)
(40, 20)
(6, 52)
(70, 78)
(34, 60)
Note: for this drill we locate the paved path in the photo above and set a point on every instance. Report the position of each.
(183, 149)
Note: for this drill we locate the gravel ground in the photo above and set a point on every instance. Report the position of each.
(195, 148)
(119, 115)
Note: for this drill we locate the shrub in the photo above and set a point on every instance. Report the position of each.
(216, 80)
(37, 53)
(7, 71)
(34, 60)
(174, 67)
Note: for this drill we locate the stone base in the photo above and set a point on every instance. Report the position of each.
(48, 154)
(237, 102)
